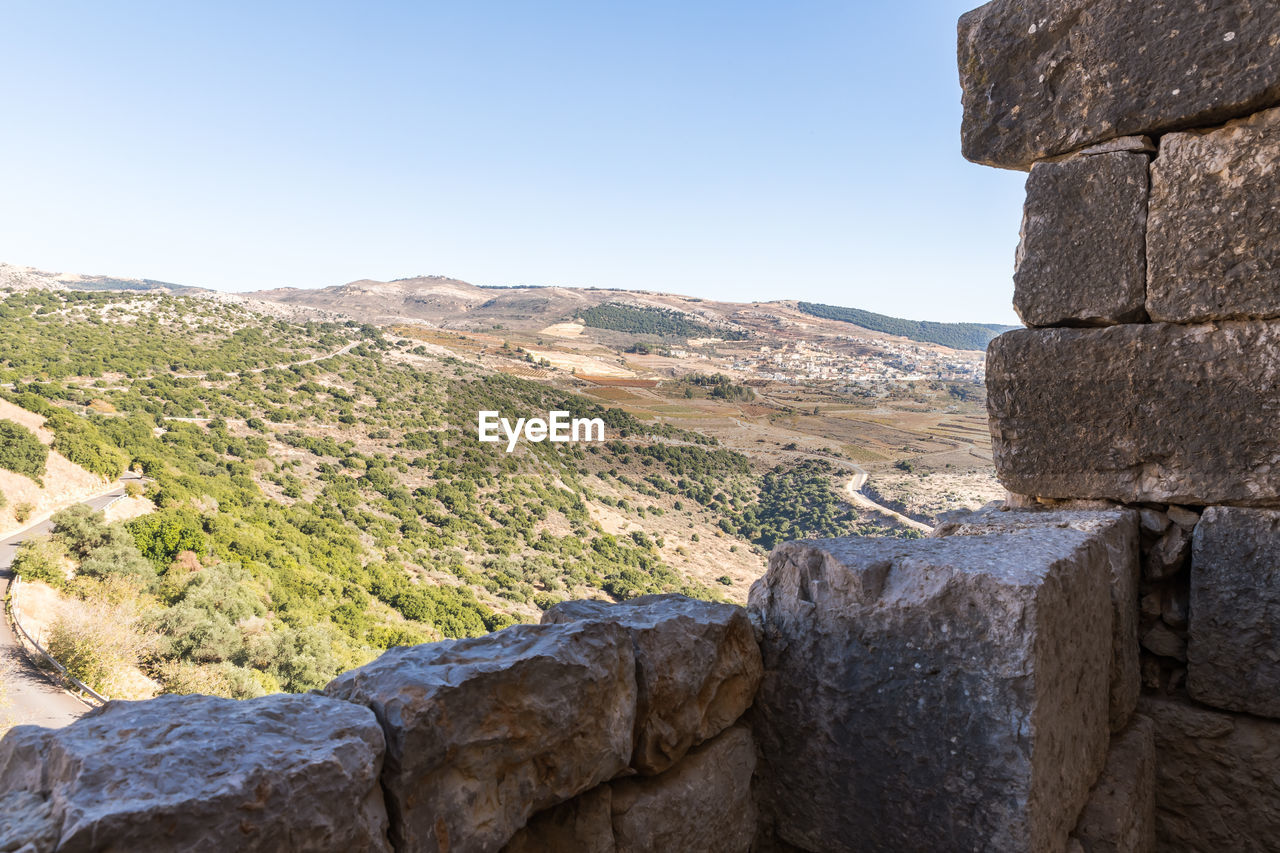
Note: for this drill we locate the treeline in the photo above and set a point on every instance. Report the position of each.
(649, 320)
(969, 336)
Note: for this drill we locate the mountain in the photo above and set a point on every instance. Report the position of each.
(971, 336)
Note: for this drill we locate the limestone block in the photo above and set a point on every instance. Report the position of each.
(1138, 413)
(1214, 239)
(1217, 778)
(1046, 77)
(1233, 649)
(1118, 530)
(697, 669)
(1082, 258)
(703, 803)
(938, 694)
(581, 825)
(199, 773)
(1120, 815)
(483, 733)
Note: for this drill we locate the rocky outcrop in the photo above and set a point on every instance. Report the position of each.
(1233, 647)
(697, 669)
(1217, 778)
(1120, 815)
(1046, 77)
(1082, 257)
(198, 773)
(939, 694)
(1138, 413)
(483, 733)
(1214, 238)
(1117, 530)
(703, 804)
(583, 825)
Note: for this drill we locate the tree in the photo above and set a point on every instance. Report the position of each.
(20, 451)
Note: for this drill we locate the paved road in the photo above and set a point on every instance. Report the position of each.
(28, 695)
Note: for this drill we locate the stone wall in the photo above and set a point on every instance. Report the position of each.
(606, 728)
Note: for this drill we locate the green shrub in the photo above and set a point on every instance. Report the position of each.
(20, 451)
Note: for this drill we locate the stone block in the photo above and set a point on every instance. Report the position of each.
(1118, 530)
(1046, 77)
(697, 669)
(1082, 257)
(1217, 778)
(1233, 648)
(199, 773)
(1120, 815)
(1214, 239)
(1155, 413)
(938, 694)
(581, 825)
(485, 732)
(703, 803)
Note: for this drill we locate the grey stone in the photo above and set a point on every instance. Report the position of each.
(1233, 653)
(1120, 815)
(1046, 77)
(1168, 555)
(581, 825)
(199, 773)
(938, 694)
(702, 804)
(1159, 639)
(1082, 257)
(27, 823)
(1138, 413)
(483, 733)
(1175, 609)
(1118, 530)
(1154, 522)
(1214, 237)
(1143, 144)
(1183, 517)
(1217, 778)
(697, 669)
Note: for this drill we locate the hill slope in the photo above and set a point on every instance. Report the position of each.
(966, 336)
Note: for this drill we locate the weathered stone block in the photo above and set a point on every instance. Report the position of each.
(1045, 77)
(1138, 413)
(941, 694)
(1118, 531)
(1214, 238)
(702, 803)
(1233, 649)
(199, 773)
(1217, 778)
(1082, 258)
(483, 733)
(697, 669)
(1120, 815)
(581, 825)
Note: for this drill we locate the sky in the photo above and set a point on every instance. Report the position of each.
(745, 150)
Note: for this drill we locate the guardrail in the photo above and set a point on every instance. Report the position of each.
(16, 612)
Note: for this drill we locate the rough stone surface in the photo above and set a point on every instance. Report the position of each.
(1138, 413)
(1120, 815)
(1161, 640)
(581, 825)
(483, 733)
(697, 669)
(199, 773)
(1217, 778)
(1214, 239)
(1082, 258)
(1167, 555)
(27, 823)
(1045, 77)
(1233, 653)
(704, 803)
(941, 694)
(1118, 530)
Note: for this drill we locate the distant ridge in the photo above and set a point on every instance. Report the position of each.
(970, 336)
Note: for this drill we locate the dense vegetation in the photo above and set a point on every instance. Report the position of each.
(648, 320)
(971, 336)
(20, 451)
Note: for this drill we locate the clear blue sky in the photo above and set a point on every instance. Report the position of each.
(741, 150)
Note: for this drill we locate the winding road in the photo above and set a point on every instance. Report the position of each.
(28, 695)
